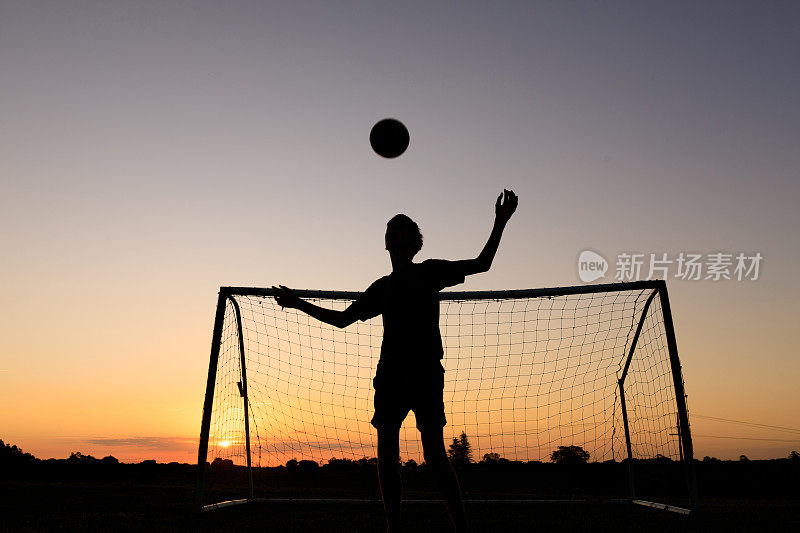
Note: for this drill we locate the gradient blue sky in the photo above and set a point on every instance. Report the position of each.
(151, 152)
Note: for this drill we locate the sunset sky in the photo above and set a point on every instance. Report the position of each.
(151, 152)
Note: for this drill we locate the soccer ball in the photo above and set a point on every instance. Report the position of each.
(389, 138)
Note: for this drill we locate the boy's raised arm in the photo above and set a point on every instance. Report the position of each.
(504, 207)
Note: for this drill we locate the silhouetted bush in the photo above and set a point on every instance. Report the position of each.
(78, 457)
(368, 463)
(493, 459)
(307, 466)
(220, 464)
(569, 455)
(335, 464)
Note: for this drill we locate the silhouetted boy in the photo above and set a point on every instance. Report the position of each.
(410, 376)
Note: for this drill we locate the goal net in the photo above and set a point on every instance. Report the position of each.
(526, 372)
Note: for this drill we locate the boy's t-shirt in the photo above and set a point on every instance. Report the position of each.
(409, 302)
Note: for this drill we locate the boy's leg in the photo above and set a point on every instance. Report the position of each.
(389, 474)
(436, 459)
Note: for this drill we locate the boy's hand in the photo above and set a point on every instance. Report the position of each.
(286, 296)
(505, 206)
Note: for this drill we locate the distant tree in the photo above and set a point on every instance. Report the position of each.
(466, 447)
(743, 458)
(491, 458)
(78, 457)
(340, 464)
(307, 465)
(454, 453)
(708, 459)
(11, 454)
(368, 462)
(150, 464)
(411, 463)
(460, 452)
(794, 455)
(217, 464)
(291, 465)
(569, 455)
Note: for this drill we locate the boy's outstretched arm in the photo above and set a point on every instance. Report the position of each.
(287, 298)
(504, 207)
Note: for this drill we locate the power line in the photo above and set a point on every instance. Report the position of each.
(746, 438)
(745, 423)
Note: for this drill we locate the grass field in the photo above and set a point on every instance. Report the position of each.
(116, 506)
(85, 494)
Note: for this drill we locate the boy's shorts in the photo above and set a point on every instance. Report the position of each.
(397, 393)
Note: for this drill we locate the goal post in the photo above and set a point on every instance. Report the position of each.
(527, 372)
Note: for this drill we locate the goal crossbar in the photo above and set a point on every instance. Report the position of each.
(464, 295)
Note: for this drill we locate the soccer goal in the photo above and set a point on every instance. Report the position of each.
(531, 377)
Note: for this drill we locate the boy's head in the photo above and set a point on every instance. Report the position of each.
(403, 236)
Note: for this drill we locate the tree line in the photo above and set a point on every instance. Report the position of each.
(460, 453)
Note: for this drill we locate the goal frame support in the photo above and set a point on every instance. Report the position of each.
(205, 426)
(658, 287)
(243, 392)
